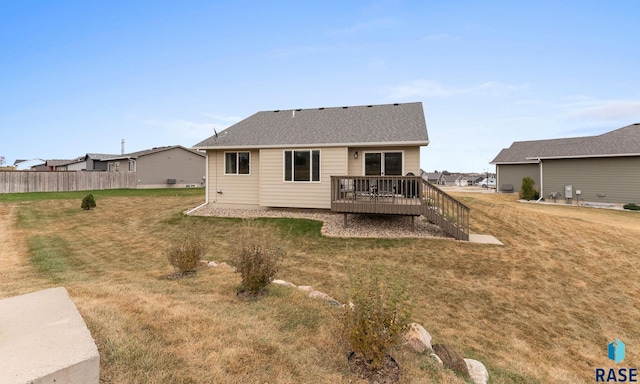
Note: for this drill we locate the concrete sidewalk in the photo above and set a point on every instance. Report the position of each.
(43, 340)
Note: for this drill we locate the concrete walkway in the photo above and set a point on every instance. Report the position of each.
(483, 239)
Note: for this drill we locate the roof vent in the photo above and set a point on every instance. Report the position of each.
(299, 109)
(321, 108)
(276, 111)
(369, 106)
(345, 107)
(396, 104)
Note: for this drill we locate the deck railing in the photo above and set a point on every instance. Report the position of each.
(445, 211)
(394, 195)
(400, 195)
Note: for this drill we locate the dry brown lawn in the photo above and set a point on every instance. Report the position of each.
(541, 308)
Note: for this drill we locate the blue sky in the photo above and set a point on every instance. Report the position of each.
(80, 76)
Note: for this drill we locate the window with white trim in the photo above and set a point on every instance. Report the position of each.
(237, 163)
(302, 165)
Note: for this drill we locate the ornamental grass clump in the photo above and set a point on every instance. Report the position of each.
(378, 315)
(186, 252)
(257, 258)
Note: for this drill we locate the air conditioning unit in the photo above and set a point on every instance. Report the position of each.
(171, 181)
(190, 186)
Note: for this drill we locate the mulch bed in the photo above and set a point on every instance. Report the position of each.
(388, 374)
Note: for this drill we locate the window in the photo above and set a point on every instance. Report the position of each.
(236, 163)
(302, 165)
(383, 163)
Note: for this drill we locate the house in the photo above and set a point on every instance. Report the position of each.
(88, 162)
(285, 158)
(436, 178)
(584, 168)
(159, 167)
(352, 159)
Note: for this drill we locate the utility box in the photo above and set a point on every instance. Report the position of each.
(568, 191)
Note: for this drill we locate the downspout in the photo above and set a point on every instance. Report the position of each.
(206, 187)
(541, 181)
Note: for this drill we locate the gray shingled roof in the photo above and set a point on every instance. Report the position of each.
(371, 124)
(135, 155)
(624, 141)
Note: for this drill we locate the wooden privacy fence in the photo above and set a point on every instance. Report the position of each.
(62, 181)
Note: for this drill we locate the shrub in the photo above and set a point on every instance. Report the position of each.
(88, 202)
(632, 207)
(257, 258)
(187, 251)
(379, 316)
(527, 192)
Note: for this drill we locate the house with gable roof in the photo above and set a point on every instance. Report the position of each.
(352, 159)
(159, 167)
(591, 166)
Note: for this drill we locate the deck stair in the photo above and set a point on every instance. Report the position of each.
(400, 195)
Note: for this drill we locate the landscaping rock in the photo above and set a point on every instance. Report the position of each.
(320, 295)
(451, 359)
(212, 264)
(436, 358)
(477, 371)
(226, 266)
(306, 288)
(285, 283)
(417, 338)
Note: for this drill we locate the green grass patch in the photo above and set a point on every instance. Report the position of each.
(36, 196)
(50, 256)
(295, 227)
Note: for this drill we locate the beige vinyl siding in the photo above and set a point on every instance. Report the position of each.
(276, 192)
(411, 159)
(610, 180)
(514, 173)
(236, 189)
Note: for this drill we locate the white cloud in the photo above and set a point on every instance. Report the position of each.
(440, 36)
(364, 27)
(428, 88)
(605, 110)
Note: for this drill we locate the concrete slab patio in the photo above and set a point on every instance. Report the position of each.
(43, 339)
(483, 239)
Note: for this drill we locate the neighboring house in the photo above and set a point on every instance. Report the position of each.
(450, 179)
(434, 177)
(160, 167)
(29, 165)
(285, 158)
(462, 181)
(591, 165)
(78, 164)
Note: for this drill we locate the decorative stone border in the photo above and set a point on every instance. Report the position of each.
(417, 338)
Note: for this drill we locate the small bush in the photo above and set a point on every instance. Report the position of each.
(186, 252)
(257, 258)
(88, 202)
(379, 316)
(632, 207)
(527, 191)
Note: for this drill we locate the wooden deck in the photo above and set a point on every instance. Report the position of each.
(400, 195)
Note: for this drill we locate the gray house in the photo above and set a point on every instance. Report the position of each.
(160, 167)
(581, 168)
